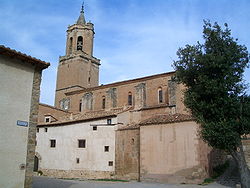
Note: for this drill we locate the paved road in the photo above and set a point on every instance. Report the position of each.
(44, 182)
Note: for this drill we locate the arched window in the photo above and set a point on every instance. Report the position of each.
(160, 95)
(65, 104)
(130, 100)
(79, 43)
(70, 44)
(103, 102)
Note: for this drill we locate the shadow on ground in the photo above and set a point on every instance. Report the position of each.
(231, 176)
(44, 182)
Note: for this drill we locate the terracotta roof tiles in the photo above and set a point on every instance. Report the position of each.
(166, 118)
(26, 58)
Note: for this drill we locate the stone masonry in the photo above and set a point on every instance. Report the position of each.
(32, 128)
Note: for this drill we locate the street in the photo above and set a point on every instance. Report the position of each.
(45, 182)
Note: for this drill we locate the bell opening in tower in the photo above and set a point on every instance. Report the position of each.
(79, 43)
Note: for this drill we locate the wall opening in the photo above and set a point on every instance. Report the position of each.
(80, 106)
(103, 102)
(110, 163)
(106, 148)
(79, 43)
(52, 143)
(36, 164)
(81, 143)
(130, 97)
(70, 44)
(77, 160)
(160, 95)
(109, 121)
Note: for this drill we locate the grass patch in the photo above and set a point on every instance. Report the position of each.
(207, 181)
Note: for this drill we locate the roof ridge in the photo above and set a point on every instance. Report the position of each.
(43, 104)
(120, 83)
(10, 51)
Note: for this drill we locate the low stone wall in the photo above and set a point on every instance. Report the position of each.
(193, 175)
(81, 174)
(246, 146)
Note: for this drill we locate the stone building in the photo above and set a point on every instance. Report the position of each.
(142, 123)
(20, 78)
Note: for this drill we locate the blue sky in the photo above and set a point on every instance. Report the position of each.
(134, 38)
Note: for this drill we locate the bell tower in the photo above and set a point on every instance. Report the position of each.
(78, 69)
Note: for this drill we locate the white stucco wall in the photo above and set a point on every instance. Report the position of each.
(63, 156)
(16, 79)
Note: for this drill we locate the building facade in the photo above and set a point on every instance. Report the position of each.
(83, 149)
(152, 136)
(20, 78)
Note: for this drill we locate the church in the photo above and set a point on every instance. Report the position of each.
(136, 129)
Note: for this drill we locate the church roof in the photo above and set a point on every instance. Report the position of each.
(159, 119)
(81, 18)
(21, 56)
(53, 107)
(166, 119)
(121, 83)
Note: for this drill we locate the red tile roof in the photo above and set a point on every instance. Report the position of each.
(26, 58)
(159, 119)
(84, 117)
(166, 118)
(53, 107)
(130, 127)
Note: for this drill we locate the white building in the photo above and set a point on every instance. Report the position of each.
(20, 77)
(83, 147)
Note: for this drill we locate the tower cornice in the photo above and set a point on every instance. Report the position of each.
(88, 26)
(80, 55)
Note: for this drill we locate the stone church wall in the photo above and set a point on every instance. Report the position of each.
(144, 94)
(170, 153)
(127, 154)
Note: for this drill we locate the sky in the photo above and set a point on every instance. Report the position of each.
(133, 38)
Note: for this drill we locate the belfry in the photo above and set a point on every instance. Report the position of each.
(78, 69)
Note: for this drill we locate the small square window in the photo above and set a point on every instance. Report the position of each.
(37, 130)
(47, 119)
(81, 143)
(109, 121)
(110, 163)
(106, 148)
(46, 129)
(94, 128)
(77, 160)
(52, 143)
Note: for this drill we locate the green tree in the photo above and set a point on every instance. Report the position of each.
(213, 75)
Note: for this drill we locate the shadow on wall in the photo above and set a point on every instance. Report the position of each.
(216, 157)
